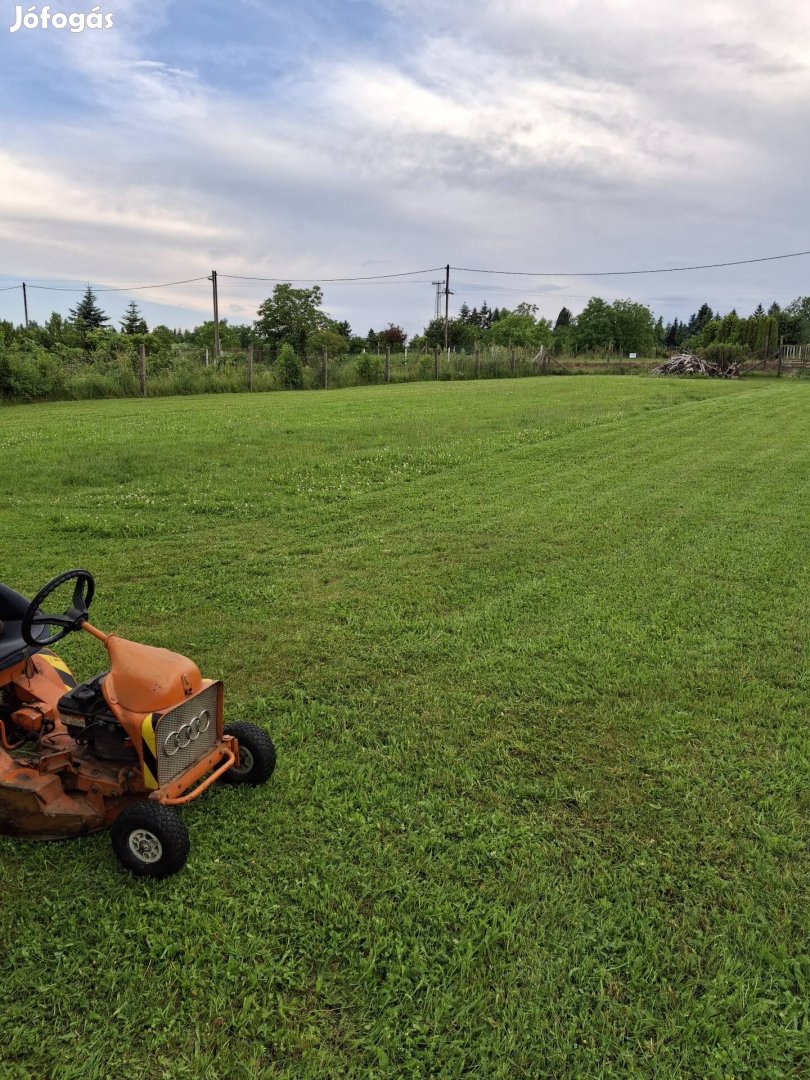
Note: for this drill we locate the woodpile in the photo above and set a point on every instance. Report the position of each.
(689, 364)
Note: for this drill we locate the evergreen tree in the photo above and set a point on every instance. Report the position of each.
(133, 322)
(671, 335)
(464, 312)
(759, 311)
(87, 315)
(696, 323)
(774, 310)
(563, 319)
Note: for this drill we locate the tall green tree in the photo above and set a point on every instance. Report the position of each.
(563, 319)
(520, 327)
(703, 315)
(671, 334)
(133, 322)
(634, 327)
(794, 321)
(624, 325)
(87, 315)
(291, 315)
(594, 325)
(460, 335)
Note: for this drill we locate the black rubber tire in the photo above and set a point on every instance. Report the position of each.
(260, 759)
(161, 824)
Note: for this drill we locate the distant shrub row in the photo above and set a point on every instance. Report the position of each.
(29, 372)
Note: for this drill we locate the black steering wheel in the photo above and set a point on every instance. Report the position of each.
(71, 620)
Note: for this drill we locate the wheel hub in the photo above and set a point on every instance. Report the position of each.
(245, 760)
(145, 845)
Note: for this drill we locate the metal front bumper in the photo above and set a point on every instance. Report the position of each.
(200, 776)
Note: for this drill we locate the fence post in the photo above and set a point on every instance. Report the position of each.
(206, 356)
(388, 363)
(436, 363)
(142, 370)
(512, 361)
(477, 361)
(250, 367)
(325, 367)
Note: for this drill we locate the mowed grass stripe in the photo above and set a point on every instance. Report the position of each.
(541, 803)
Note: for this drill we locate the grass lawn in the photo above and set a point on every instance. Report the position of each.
(533, 653)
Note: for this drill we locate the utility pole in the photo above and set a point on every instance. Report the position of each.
(217, 350)
(447, 295)
(25, 304)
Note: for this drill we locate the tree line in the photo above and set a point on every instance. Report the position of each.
(292, 328)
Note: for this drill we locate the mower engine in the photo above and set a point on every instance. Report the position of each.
(89, 720)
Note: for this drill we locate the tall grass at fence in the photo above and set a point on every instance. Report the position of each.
(190, 371)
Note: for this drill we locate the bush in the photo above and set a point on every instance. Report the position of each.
(29, 373)
(724, 354)
(369, 369)
(288, 368)
(312, 376)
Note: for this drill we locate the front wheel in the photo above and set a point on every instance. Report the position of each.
(257, 755)
(151, 840)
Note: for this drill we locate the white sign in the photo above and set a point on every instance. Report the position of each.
(632, 355)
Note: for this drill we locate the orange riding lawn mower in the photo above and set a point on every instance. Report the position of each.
(122, 750)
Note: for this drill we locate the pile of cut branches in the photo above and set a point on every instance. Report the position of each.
(689, 364)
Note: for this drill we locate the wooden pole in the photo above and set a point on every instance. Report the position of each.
(477, 361)
(436, 362)
(142, 370)
(250, 367)
(217, 349)
(388, 363)
(325, 367)
(25, 303)
(512, 360)
(446, 308)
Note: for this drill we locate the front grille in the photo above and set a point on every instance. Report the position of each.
(178, 747)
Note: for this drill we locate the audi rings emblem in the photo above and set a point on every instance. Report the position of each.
(187, 733)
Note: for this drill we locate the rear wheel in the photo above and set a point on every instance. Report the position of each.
(257, 755)
(150, 840)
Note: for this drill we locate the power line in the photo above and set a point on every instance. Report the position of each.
(411, 273)
(620, 273)
(126, 289)
(329, 281)
(350, 281)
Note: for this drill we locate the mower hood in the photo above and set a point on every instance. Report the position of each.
(144, 679)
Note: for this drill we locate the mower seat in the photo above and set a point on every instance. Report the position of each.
(12, 647)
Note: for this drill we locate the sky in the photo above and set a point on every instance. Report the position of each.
(317, 139)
